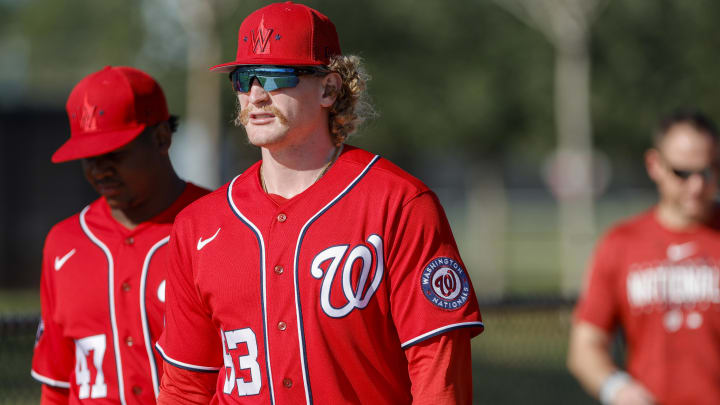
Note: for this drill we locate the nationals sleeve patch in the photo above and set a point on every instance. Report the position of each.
(445, 283)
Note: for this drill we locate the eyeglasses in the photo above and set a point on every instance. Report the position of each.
(270, 77)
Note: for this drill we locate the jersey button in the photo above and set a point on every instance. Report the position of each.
(282, 325)
(287, 382)
(279, 269)
(281, 217)
(136, 390)
(129, 341)
(126, 287)
(130, 241)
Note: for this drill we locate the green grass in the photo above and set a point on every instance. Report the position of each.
(25, 301)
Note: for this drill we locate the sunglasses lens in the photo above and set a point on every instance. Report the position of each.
(240, 80)
(683, 174)
(270, 83)
(270, 78)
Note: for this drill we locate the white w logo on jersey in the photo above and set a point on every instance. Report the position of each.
(356, 295)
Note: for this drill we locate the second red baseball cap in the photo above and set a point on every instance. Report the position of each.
(286, 34)
(108, 109)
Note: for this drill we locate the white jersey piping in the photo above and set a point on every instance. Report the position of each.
(263, 265)
(49, 381)
(144, 317)
(111, 292)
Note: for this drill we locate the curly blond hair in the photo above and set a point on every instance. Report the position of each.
(352, 105)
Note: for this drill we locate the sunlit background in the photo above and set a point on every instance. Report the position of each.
(528, 118)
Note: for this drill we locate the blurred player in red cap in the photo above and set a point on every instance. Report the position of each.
(657, 277)
(103, 272)
(323, 274)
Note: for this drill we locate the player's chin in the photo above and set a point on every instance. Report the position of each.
(263, 137)
(117, 201)
(697, 209)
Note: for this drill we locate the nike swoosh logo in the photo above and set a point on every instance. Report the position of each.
(60, 261)
(201, 243)
(680, 251)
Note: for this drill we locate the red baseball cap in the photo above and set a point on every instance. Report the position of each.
(285, 34)
(108, 109)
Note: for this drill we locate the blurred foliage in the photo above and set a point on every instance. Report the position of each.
(446, 76)
(648, 58)
(464, 78)
(69, 39)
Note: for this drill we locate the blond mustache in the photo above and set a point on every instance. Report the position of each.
(245, 114)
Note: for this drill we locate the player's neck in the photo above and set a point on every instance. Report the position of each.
(289, 171)
(164, 194)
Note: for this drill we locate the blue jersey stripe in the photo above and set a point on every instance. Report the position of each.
(185, 366)
(440, 331)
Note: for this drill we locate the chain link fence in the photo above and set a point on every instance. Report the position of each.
(17, 337)
(519, 359)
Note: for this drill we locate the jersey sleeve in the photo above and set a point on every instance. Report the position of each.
(440, 369)
(180, 386)
(189, 340)
(53, 356)
(599, 303)
(54, 396)
(431, 292)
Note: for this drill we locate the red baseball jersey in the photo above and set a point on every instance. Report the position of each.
(313, 300)
(663, 289)
(103, 296)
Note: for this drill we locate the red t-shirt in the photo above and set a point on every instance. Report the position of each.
(102, 298)
(663, 288)
(314, 299)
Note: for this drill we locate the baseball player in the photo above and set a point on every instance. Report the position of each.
(657, 276)
(323, 274)
(103, 271)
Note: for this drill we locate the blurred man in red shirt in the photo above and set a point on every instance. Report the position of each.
(657, 276)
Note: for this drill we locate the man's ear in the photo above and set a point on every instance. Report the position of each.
(653, 165)
(331, 85)
(162, 137)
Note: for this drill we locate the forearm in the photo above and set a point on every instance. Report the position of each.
(589, 358)
(441, 369)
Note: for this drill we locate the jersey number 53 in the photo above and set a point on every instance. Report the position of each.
(231, 340)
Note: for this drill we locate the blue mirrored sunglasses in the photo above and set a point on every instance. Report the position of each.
(270, 77)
